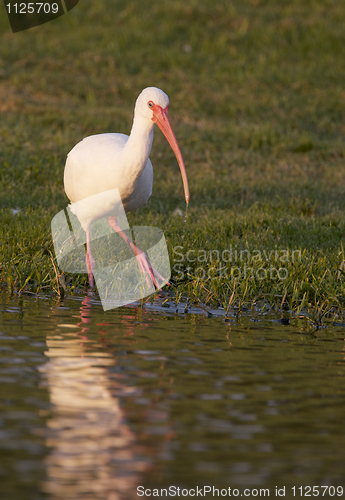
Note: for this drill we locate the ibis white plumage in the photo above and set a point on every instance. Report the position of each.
(104, 162)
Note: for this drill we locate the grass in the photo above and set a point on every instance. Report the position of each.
(257, 103)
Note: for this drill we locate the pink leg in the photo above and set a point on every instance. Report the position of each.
(90, 262)
(145, 265)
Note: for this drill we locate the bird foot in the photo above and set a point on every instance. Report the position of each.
(148, 270)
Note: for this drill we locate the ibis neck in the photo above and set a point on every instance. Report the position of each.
(138, 146)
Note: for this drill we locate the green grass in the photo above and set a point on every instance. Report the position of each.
(257, 103)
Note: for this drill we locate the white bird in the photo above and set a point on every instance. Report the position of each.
(104, 162)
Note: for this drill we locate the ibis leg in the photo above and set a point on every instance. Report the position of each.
(90, 262)
(145, 265)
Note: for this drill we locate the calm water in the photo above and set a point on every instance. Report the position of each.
(94, 404)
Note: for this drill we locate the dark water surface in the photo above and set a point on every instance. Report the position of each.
(95, 404)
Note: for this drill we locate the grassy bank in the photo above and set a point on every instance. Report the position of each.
(257, 103)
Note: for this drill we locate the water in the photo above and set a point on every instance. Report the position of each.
(95, 404)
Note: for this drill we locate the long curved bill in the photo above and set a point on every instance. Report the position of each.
(161, 118)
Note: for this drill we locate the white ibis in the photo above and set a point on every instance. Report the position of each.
(104, 162)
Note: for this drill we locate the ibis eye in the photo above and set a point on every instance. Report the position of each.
(150, 104)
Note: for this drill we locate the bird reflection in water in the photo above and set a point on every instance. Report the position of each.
(85, 313)
(93, 452)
